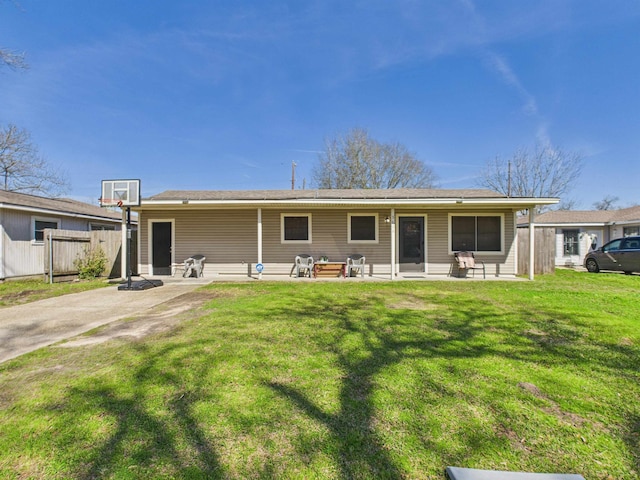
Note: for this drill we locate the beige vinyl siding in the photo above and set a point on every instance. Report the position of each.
(329, 235)
(223, 236)
(229, 239)
(440, 261)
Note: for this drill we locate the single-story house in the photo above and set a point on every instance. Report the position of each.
(399, 231)
(580, 231)
(23, 219)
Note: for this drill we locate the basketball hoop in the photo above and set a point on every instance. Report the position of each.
(124, 194)
(120, 193)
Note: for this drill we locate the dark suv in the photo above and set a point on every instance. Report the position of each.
(622, 254)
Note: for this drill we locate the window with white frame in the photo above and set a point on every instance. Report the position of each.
(38, 226)
(571, 242)
(295, 227)
(476, 233)
(630, 231)
(362, 228)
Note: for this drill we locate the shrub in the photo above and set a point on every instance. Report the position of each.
(91, 264)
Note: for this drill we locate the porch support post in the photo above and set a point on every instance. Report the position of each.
(393, 243)
(532, 241)
(123, 249)
(259, 240)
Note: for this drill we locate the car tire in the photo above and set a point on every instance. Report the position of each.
(592, 266)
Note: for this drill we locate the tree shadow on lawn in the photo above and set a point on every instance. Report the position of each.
(144, 438)
(362, 453)
(149, 440)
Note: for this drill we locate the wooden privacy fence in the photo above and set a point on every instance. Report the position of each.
(544, 254)
(63, 247)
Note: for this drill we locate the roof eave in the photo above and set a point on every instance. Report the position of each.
(45, 211)
(389, 202)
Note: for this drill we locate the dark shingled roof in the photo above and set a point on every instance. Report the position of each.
(329, 194)
(56, 205)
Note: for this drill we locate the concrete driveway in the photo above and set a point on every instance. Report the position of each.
(25, 328)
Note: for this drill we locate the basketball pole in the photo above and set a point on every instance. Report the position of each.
(128, 248)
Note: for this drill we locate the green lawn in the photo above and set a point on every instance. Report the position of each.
(344, 380)
(16, 292)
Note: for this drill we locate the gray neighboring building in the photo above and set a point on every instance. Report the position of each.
(400, 231)
(23, 219)
(580, 231)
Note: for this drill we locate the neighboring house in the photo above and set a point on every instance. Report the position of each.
(578, 232)
(400, 231)
(23, 219)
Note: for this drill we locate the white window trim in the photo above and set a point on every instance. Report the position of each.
(309, 229)
(35, 219)
(476, 214)
(376, 233)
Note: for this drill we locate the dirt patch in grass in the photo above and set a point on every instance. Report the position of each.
(554, 409)
(157, 320)
(17, 298)
(411, 303)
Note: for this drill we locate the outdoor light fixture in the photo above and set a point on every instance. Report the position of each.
(386, 219)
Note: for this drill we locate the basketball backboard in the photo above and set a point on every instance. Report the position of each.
(120, 193)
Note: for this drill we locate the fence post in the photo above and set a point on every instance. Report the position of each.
(50, 257)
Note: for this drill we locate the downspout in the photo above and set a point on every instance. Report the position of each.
(532, 241)
(393, 243)
(260, 241)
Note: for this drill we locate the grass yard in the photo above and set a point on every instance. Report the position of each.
(16, 292)
(344, 381)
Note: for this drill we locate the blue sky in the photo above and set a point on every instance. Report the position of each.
(227, 94)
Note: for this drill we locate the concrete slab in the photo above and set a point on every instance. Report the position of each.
(25, 328)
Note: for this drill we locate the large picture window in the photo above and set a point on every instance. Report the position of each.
(362, 228)
(476, 233)
(296, 228)
(39, 225)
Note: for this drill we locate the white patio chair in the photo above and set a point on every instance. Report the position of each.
(356, 263)
(194, 266)
(303, 265)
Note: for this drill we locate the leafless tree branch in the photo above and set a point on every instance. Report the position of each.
(23, 169)
(355, 160)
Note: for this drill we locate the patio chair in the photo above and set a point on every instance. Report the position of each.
(194, 266)
(457, 473)
(303, 265)
(467, 261)
(355, 263)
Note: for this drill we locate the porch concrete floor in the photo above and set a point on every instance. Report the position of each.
(405, 276)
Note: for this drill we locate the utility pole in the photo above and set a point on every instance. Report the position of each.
(293, 175)
(509, 180)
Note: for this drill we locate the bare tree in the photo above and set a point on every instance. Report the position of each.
(545, 172)
(607, 203)
(567, 204)
(22, 169)
(355, 160)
